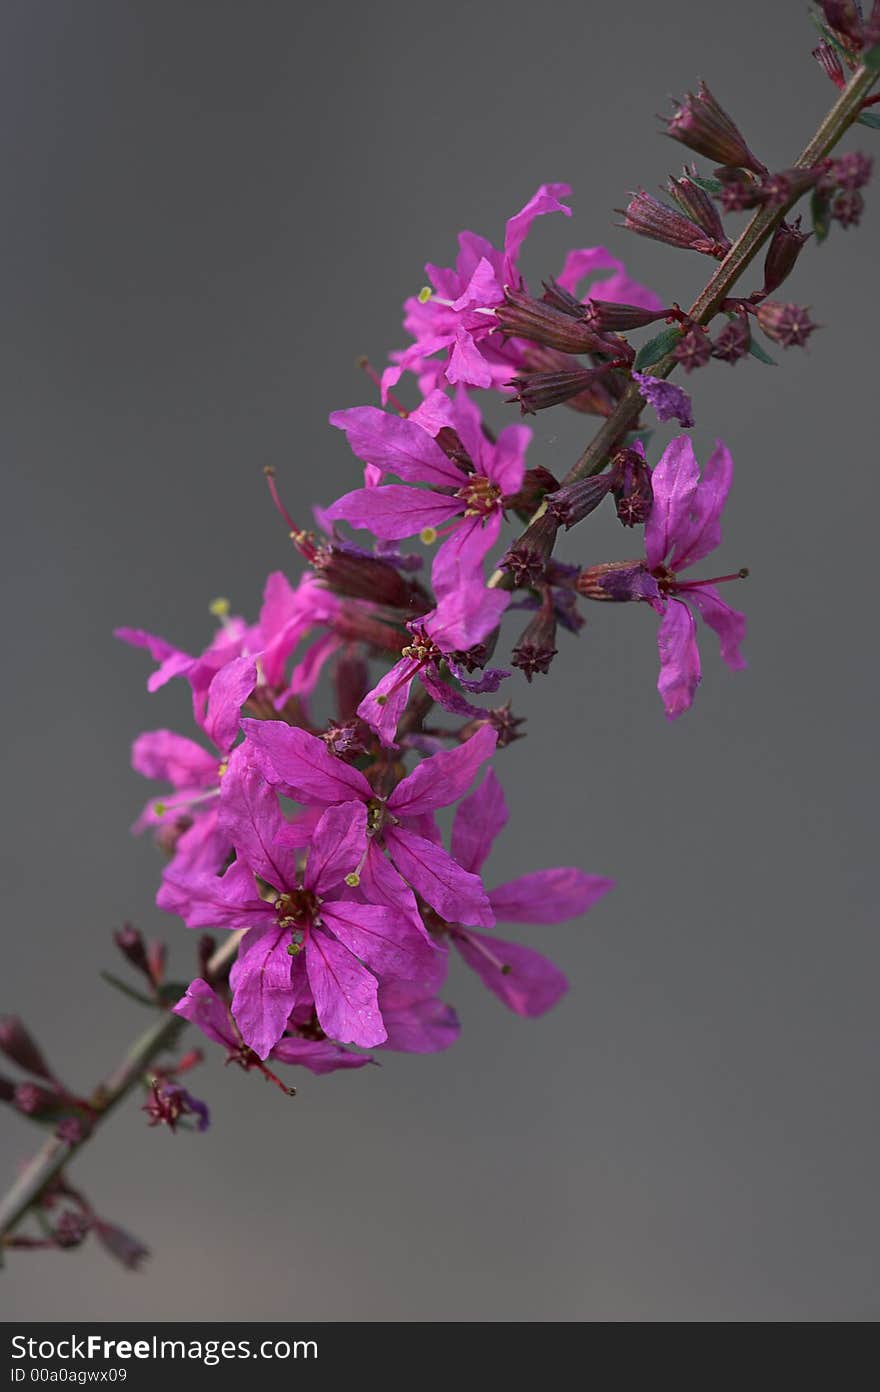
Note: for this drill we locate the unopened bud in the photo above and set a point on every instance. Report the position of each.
(572, 504)
(633, 490)
(785, 247)
(536, 648)
(830, 63)
(527, 557)
(617, 581)
(522, 316)
(17, 1044)
(537, 391)
(649, 217)
(734, 340)
(696, 204)
(704, 126)
(536, 484)
(845, 18)
(354, 573)
(694, 349)
(132, 946)
(848, 207)
(35, 1101)
(852, 170)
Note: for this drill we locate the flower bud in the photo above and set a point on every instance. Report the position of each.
(351, 572)
(527, 557)
(618, 581)
(34, 1101)
(848, 207)
(851, 170)
(522, 316)
(621, 318)
(788, 324)
(17, 1044)
(696, 204)
(694, 349)
(71, 1229)
(120, 1244)
(536, 484)
(734, 340)
(633, 490)
(572, 504)
(537, 391)
(132, 946)
(784, 249)
(704, 126)
(536, 648)
(503, 722)
(649, 217)
(845, 18)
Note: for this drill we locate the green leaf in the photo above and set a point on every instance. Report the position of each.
(869, 118)
(707, 185)
(172, 991)
(871, 59)
(657, 348)
(758, 352)
(128, 990)
(820, 213)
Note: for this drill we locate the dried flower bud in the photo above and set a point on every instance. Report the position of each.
(536, 648)
(572, 504)
(704, 126)
(17, 1044)
(537, 391)
(830, 63)
(617, 581)
(651, 218)
(788, 324)
(784, 249)
(694, 349)
(734, 340)
(527, 557)
(522, 316)
(847, 208)
(696, 204)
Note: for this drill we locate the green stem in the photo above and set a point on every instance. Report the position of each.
(55, 1153)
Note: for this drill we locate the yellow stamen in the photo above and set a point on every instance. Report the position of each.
(428, 535)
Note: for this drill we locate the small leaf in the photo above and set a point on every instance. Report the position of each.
(820, 213)
(657, 348)
(128, 990)
(758, 352)
(707, 185)
(869, 118)
(871, 59)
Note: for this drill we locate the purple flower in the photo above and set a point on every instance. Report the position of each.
(524, 980)
(307, 935)
(463, 618)
(475, 483)
(618, 288)
(683, 528)
(668, 402)
(457, 316)
(300, 766)
(203, 1008)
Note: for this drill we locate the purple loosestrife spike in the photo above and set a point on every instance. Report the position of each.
(705, 127)
(17, 1044)
(829, 62)
(527, 557)
(522, 316)
(847, 208)
(649, 217)
(785, 247)
(734, 340)
(536, 647)
(694, 350)
(668, 401)
(696, 204)
(788, 324)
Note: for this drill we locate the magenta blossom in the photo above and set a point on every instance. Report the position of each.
(300, 766)
(203, 1008)
(524, 980)
(618, 288)
(683, 528)
(306, 936)
(457, 316)
(462, 619)
(475, 482)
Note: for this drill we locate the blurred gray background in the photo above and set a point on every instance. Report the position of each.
(210, 210)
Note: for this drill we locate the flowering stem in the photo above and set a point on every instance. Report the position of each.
(55, 1154)
(741, 254)
(835, 124)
